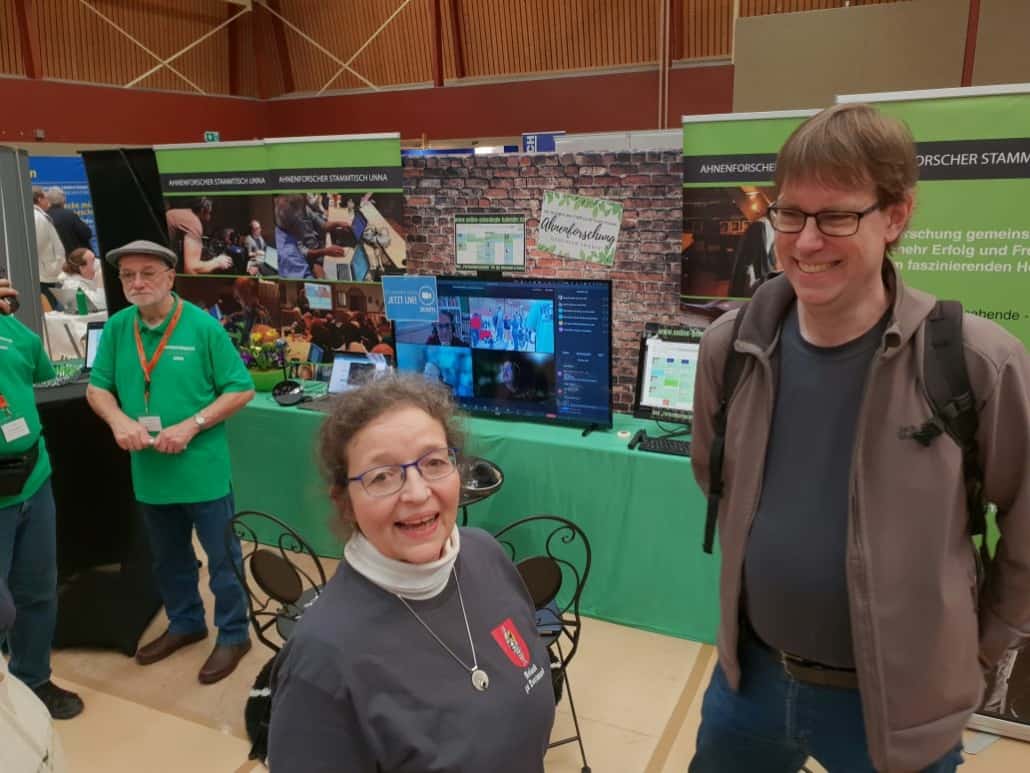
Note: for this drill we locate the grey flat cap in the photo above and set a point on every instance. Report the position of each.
(142, 247)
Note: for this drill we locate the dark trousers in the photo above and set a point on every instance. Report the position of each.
(170, 528)
(28, 562)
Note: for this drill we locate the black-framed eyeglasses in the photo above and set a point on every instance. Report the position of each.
(388, 479)
(831, 222)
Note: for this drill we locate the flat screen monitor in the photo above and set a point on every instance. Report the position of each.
(320, 296)
(531, 349)
(93, 332)
(665, 373)
(352, 370)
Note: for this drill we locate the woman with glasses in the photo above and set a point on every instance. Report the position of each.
(421, 652)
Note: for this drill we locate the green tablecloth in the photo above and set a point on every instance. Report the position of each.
(642, 512)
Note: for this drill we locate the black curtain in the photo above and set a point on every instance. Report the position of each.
(127, 205)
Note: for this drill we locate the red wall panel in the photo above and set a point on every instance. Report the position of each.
(576, 104)
(70, 112)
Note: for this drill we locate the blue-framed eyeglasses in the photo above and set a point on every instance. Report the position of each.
(388, 479)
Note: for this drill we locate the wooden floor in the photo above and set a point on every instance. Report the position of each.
(638, 695)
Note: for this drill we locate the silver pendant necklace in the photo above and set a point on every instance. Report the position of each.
(480, 680)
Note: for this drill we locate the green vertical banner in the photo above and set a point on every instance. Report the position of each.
(281, 240)
(969, 239)
(321, 208)
(729, 162)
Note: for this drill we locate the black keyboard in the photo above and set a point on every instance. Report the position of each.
(665, 446)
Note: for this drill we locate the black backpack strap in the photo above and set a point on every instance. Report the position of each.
(953, 404)
(732, 368)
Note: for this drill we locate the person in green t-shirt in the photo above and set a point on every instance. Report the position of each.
(28, 521)
(165, 378)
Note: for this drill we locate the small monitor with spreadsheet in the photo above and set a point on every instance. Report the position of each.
(665, 373)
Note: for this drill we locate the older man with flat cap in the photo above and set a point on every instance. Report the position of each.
(165, 378)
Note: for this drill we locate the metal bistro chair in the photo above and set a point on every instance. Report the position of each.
(552, 554)
(279, 587)
(480, 478)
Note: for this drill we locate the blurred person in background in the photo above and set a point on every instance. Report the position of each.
(49, 249)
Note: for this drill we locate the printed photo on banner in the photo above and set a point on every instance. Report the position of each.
(315, 320)
(579, 227)
(318, 235)
(728, 245)
(339, 236)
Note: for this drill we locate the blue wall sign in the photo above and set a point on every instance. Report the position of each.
(410, 298)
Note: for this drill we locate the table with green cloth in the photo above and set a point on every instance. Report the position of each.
(642, 512)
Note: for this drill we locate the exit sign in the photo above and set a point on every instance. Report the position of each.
(211, 137)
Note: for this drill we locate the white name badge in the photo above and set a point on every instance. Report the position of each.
(151, 423)
(15, 429)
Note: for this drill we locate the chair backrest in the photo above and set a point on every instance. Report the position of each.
(280, 572)
(553, 556)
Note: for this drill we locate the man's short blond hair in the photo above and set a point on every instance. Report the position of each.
(852, 146)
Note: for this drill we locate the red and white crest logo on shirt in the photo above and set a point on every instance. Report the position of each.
(511, 642)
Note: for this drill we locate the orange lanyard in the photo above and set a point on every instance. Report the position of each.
(148, 366)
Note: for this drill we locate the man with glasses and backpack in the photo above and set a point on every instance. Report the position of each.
(848, 430)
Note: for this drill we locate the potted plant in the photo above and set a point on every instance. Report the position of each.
(264, 354)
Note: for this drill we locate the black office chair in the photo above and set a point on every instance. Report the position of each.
(480, 478)
(280, 573)
(553, 556)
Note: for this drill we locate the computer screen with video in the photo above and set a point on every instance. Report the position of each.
(665, 373)
(533, 349)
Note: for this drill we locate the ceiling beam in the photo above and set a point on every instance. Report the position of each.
(260, 40)
(437, 44)
(459, 46)
(972, 27)
(676, 29)
(29, 39)
(234, 52)
(280, 43)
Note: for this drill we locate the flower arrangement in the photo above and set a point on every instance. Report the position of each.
(264, 350)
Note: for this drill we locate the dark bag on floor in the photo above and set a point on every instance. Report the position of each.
(257, 714)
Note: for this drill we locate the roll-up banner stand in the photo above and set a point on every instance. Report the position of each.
(969, 240)
(729, 162)
(261, 227)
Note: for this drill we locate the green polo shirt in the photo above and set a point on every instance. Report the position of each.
(199, 363)
(23, 362)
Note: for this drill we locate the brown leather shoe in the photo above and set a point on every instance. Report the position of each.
(164, 645)
(222, 661)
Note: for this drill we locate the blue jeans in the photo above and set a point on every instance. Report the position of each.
(28, 562)
(170, 528)
(774, 723)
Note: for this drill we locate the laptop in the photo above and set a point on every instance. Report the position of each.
(93, 332)
(350, 370)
